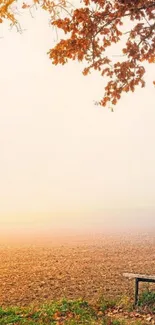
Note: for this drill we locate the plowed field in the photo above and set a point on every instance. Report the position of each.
(87, 268)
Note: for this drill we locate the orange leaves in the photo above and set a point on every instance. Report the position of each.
(106, 31)
(25, 6)
(125, 77)
(68, 49)
(106, 42)
(6, 11)
(93, 28)
(114, 101)
(81, 15)
(126, 88)
(104, 101)
(86, 2)
(151, 59)
(63, 24)
(92, 31)
(61, 317)
(86, 71)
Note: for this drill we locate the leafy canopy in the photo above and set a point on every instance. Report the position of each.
(93, 28)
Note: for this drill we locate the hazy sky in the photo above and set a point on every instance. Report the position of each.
(65, 161)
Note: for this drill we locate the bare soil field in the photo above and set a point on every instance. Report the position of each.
(84, 267)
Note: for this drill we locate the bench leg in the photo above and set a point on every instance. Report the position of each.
(136, 291)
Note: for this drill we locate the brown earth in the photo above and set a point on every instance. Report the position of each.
(86, 267)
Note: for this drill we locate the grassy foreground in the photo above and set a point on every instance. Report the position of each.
(66, 312)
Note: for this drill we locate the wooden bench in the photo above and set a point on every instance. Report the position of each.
(138, 278)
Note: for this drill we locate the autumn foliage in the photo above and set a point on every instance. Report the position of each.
(95, 27)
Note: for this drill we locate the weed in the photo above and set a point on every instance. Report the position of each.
(118, 322)
(147, 299)
(105, 304)
(63, 312)
(125, 303)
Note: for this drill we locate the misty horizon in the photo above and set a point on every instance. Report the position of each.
(141, 221)
(66, 164)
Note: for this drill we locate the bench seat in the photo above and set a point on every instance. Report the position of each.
(139, 278)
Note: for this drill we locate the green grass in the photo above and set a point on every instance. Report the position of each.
(147, 299)
(64, 312)
(105, 304)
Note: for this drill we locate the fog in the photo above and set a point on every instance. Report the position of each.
(67, 166)
(124, 223)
